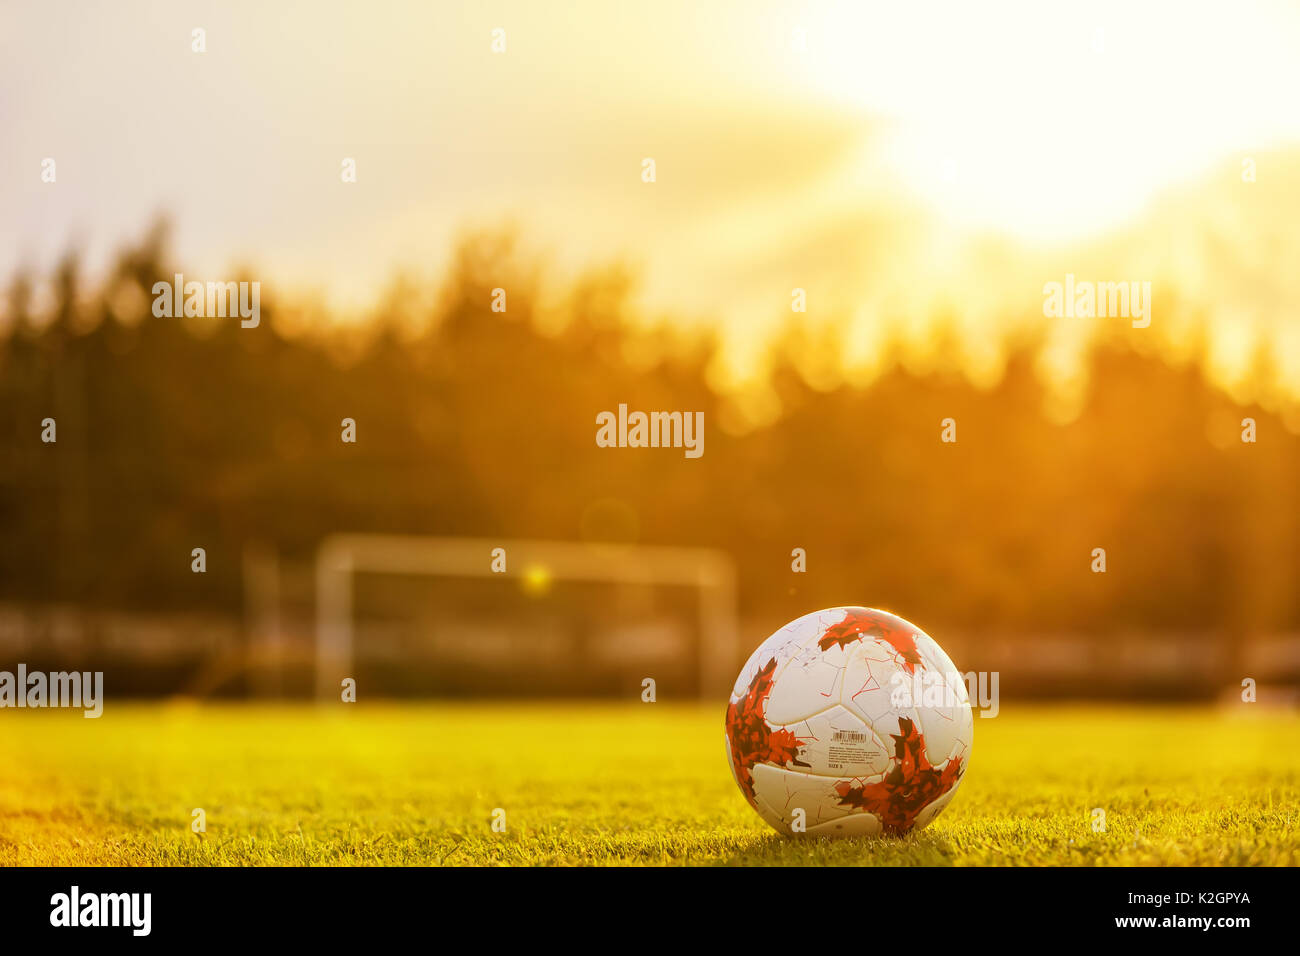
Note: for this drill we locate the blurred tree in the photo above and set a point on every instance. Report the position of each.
(178, 434)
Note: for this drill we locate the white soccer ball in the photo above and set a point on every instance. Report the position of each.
(848, 722)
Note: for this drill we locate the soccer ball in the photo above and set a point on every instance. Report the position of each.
(848, 722)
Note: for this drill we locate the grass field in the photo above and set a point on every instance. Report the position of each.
(614, 784)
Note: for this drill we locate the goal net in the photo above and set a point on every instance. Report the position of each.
(440, 616)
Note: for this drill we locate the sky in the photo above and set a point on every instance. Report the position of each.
(785, 135)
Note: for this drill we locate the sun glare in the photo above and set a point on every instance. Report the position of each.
(1053, 122)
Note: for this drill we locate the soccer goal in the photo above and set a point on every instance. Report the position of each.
(341, 559)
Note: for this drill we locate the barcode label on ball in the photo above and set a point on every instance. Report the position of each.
(849, 737)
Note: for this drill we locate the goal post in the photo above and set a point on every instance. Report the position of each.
(341, 557)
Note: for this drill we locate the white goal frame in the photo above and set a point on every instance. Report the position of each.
(341, 556)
